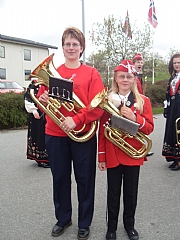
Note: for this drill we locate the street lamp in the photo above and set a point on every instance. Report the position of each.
(83, 28)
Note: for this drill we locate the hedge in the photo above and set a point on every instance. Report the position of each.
(12, 111)
(157, 92)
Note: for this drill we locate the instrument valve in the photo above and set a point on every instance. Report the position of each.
(106, 125)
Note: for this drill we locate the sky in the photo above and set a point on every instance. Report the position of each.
(44, 21)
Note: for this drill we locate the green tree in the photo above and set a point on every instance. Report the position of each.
(160, 67)
(103, 65)
(172, 51)
(112, 45)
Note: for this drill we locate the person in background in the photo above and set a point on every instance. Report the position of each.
(138, 65)
(36, 149)
(62, 150)
(171, 144)
(120, 166)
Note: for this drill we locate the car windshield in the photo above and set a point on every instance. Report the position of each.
(10, 85)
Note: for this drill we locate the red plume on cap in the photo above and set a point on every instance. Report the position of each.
(126, 66)
(138, 56)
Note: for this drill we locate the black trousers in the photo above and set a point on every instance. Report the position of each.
(129, 175)
(62, 152)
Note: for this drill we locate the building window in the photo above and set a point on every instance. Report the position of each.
(2, 73)
(27, 73)
(27, 55)
(2, 52)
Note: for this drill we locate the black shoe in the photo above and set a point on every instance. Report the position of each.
(173, 165)
(149, 154)
(57, 231)
(43, 164)
(83, 233)
(40, 164)
(132, 234)
(176, 168)
(46, 165)
(110, 235)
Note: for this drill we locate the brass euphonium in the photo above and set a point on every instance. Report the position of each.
(177, 124)
(118, 136)
(43, 72)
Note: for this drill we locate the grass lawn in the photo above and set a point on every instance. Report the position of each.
(158, 110)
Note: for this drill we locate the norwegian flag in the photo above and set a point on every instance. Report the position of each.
(127, 28)
(152, 15)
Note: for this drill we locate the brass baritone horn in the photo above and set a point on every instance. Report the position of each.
(177, 124)
(118, 136)
(43, 72)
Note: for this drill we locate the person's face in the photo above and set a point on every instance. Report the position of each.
(72, 48)
(124, 81)
(138, 65)
(176, 64)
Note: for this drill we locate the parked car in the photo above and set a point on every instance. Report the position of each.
(8, 86)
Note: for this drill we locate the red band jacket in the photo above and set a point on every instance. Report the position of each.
(114, 156)
(139, 84)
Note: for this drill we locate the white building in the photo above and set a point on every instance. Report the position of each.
(19, 57)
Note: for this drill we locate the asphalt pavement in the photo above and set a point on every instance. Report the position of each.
(26, 205)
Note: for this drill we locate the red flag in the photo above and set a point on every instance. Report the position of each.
(152, 15)
(127, 28)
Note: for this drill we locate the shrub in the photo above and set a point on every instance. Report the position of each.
(157, 92)
(12, 111)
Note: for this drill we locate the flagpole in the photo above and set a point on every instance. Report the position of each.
(153, 21)
(152, 57)
(152, 47)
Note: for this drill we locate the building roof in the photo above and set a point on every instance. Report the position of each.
(25, 42)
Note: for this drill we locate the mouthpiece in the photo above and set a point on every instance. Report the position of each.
(72, 76)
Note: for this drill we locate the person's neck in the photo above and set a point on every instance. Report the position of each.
(124, 93)
(72, 64)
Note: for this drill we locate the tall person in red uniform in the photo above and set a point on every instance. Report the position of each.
(62, 150)
(120, 166)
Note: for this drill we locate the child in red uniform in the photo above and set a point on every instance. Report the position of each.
(120, 166)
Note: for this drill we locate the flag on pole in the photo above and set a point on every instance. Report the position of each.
(92, 35)
(152, 15)
(127, 28)
(109, 27)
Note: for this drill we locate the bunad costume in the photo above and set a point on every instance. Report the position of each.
(36, 148)
(171, 150)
